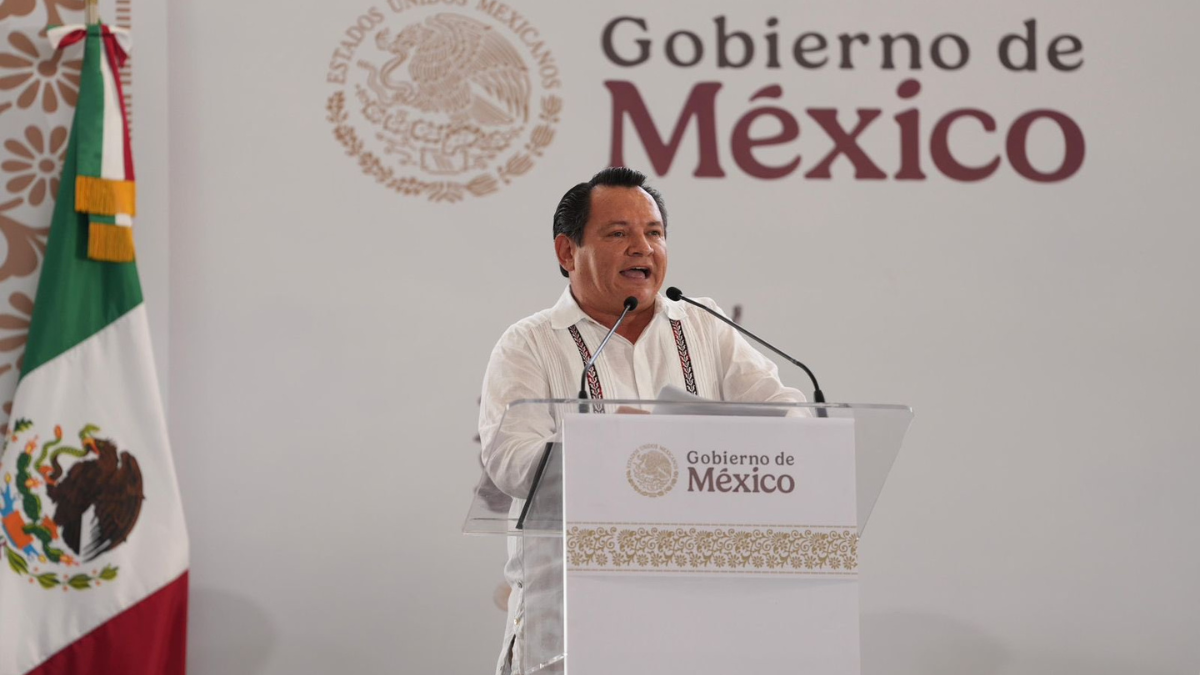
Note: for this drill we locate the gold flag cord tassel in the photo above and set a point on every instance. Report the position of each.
(110, 243)
(105, 197)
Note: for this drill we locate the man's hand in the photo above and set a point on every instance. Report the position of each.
(627, 410)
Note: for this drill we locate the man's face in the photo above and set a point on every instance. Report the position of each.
(624, 251)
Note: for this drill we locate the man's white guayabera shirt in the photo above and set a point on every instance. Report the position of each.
(540, 358)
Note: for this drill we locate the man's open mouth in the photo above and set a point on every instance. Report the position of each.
(636, 273)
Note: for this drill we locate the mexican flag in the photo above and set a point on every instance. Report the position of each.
(93, 546)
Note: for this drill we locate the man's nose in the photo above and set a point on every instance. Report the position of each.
(639, 244)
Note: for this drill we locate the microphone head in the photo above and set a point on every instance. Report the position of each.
(631, 303)
(674, 294)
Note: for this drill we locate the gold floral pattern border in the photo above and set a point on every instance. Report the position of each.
(800, 552)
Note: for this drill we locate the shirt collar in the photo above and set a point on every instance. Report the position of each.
(566, 312)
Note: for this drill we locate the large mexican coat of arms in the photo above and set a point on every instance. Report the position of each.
(63, 507)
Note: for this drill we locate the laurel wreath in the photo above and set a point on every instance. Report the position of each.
(444, 191)
(18, 427)
(49, 580)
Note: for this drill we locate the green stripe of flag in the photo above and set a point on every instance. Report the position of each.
(89, 111)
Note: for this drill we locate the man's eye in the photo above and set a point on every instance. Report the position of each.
(655, 233)
(617, 233)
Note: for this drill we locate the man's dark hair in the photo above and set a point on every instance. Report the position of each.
(575, 207)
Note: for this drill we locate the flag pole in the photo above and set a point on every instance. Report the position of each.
(93, 12)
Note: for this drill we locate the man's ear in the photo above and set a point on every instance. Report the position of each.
(564, 248)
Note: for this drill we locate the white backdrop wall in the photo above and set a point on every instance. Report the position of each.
(329, 332)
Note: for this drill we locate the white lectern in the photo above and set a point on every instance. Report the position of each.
(701, 538)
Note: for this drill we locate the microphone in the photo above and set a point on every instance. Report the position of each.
(818, 396)
(631, 304)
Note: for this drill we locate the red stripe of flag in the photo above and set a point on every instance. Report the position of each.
(149, 638)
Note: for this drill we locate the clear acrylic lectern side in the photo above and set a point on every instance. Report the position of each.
(537, 523)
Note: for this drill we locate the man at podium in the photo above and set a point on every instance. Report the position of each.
(610, 239)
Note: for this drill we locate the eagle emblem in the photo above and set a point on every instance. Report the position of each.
(67, 506)
(453, 94)
(454, 66)
(442, 103)
(652, 470)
